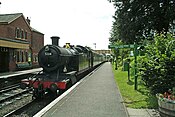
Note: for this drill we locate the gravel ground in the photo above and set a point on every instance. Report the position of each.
(13, 105)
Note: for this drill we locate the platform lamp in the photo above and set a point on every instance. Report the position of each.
(0, 6)
(95, 45)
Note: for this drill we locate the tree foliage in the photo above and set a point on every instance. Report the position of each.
(136, 20)
(158, 66)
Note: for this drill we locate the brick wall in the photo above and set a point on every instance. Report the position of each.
(8, 30)
(103, 51)
(37, 44)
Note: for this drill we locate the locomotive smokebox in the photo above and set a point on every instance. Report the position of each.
(55, 40)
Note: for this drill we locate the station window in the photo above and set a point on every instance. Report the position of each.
(26, 54)
(17, 33)
(17, 57)
(22, 34)
(22, 56)
(35, 58)
(25, 34)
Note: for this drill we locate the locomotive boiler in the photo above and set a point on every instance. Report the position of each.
(61, 67)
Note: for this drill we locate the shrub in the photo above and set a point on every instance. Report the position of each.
(158, 65)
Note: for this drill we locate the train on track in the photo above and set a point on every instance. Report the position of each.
(62, 67)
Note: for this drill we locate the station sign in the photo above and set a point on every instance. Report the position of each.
(121, 46)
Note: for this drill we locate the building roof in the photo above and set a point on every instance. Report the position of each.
(34, 30)
(8, 18)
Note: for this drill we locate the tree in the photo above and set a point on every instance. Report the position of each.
(136, 20)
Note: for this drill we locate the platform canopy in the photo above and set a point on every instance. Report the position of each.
(4, 42)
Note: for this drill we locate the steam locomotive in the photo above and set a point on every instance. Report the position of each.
(62, 67)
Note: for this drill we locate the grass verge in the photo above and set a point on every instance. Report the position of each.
(140, 98)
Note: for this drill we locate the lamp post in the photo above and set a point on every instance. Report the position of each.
(0, 6)
(0, 3)
(94, 45)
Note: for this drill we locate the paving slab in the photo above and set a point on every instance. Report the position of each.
(143, 112)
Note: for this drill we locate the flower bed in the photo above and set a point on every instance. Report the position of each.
(166, 104)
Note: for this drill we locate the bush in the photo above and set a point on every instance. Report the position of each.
(158, 65)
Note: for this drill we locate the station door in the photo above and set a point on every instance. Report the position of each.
(4, 61)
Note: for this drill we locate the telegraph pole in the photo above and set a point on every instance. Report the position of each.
(0, 6)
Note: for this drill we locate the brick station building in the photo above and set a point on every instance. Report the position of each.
(19, 43)
(103, 51)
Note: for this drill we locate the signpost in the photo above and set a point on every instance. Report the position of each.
(134, 46)
(135, 65)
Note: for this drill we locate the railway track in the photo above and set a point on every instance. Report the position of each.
(30, 108)
(8, 88)
(16, 77)
(11, 98)
(11, 94)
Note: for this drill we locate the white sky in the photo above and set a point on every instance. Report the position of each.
(79, 22)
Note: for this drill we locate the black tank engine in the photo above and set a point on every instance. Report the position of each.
(61, 67)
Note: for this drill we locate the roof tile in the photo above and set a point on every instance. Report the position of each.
(8, 18)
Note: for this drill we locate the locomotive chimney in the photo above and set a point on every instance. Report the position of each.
(55, 40)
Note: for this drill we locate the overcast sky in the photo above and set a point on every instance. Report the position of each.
(79, 22)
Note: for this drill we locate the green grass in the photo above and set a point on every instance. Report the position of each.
(140, 98)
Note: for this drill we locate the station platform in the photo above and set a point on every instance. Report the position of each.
(17, 73)
(96, 95)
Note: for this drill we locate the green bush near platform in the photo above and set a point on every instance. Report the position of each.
(158, 65)
(140, 98)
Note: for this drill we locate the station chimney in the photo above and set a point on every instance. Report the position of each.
(28, 20)
(55, 40)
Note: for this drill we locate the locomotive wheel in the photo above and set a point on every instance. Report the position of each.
(38, 94)
(54, 94)
(69, 84)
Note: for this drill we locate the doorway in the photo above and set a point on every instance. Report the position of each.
(4, 60)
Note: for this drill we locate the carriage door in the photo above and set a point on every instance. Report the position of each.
(4, 59)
